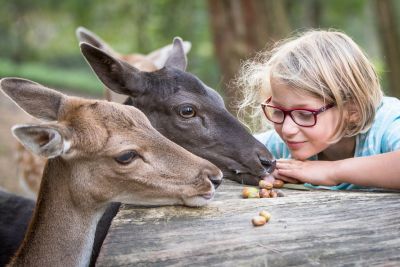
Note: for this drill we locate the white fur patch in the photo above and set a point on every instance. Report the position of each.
(67, 146)
(25, 187)
(86, 252)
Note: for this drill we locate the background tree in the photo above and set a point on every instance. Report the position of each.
(241, 28)
(38, 36)
(389, 36)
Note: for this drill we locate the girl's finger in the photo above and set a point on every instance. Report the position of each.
(285, 165)
(286, 178)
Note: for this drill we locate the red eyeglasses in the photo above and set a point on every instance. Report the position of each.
(301, 116)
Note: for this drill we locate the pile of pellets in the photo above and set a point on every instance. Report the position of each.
(266, 190)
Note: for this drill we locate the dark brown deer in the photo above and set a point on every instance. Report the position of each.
(185, 110)
(97, 152)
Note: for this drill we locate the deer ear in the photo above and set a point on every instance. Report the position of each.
(84, 35)
(33, 98)
(177, 58)
(160, 56)
(43, 140)
(116, 75)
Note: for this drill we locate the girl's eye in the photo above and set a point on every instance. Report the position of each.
(126, 157)
(303, 117)
(276, 113)
(187, 112)
(305, 114)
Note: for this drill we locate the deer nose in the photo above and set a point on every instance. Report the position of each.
(269, 165)
(215, 180)
(215, 176)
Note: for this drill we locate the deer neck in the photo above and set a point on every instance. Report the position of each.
(61, 232)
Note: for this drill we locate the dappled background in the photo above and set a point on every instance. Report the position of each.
(38, 41)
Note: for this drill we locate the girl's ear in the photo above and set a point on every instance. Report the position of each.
(43, 140)
(353, 116)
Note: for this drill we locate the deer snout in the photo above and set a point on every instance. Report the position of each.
(215, 180)
(268, 164)
(214, 175)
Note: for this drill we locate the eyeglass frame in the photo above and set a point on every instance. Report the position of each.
(286, 112)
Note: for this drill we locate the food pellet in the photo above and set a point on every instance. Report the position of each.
(273, 194)
(278, 184)
(264, 184)
(258, 220)
(265, 214)
(250, 192)
(264, 193)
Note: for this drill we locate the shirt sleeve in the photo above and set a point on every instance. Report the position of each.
(391, 137)
(384, 134)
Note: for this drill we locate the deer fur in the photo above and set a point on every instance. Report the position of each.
(98, 152)
(30, 166)
(223, 141)
(212, 133)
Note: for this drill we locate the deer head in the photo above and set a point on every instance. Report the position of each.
(186, 111)
(110, 150)
(151, 62)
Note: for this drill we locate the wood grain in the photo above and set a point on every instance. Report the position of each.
(307, 228)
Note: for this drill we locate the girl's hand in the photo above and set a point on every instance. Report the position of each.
(313, 172)
(286, 179)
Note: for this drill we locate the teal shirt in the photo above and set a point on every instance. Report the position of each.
(382, 137)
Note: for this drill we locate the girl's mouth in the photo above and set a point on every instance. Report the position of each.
(295, 145)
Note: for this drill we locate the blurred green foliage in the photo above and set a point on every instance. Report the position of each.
(38, 37)
(355, 17)
(44, 32)
(70, 79)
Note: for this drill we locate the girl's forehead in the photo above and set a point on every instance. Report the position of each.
(287, 96)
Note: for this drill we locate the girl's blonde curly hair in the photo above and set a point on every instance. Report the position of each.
(326, 64)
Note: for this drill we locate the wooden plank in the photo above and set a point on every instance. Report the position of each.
(307, 228)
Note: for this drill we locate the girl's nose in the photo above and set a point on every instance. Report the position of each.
(289, 127)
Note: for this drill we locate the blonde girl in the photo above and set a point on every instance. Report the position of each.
(322, 96)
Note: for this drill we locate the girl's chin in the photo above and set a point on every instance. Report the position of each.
(300, 156)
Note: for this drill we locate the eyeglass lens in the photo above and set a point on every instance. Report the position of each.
(301, 117)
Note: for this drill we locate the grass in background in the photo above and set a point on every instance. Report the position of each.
(79, 80)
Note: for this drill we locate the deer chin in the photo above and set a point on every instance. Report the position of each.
(192, 201)
(199, 200)
(242, 178)
(150, 201)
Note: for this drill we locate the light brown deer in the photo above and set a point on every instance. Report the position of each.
(97, 152)
(30, 166)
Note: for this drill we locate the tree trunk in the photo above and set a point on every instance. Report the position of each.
(313, 9)
(241, 28)
(390, 41)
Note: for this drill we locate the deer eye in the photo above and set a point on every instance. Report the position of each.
(187, 112)
(126, 157)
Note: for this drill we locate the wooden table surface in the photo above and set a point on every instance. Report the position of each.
(307, 228)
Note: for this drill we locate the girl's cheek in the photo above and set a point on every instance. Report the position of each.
(278, 129)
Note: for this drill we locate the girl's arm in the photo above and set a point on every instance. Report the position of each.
(382, 170)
